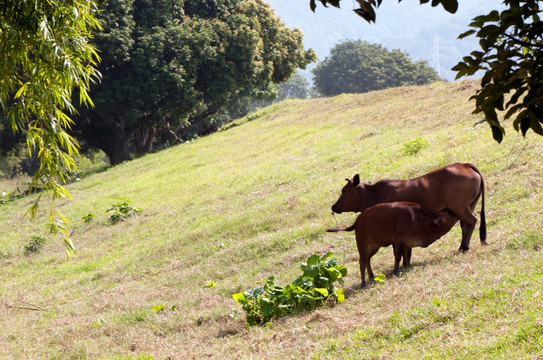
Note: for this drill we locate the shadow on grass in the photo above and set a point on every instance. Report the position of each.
(389, 275)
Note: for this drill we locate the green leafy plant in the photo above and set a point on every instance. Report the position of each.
(381, 278)
(121, 210)
(88, 218)
(35, 244)
(314, 287)
(413, 147)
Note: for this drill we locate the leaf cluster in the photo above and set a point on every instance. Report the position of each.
(413, 147)
(313, 287)
(35, 244)
(367, 8)
(44, 54)
(512, 57)
(121, 210)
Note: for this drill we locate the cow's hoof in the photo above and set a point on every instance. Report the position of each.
(484, 243)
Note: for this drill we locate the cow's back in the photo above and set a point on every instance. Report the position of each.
(450, 187)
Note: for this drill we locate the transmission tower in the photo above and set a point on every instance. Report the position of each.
(435, 57)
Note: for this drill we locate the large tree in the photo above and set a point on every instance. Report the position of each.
(356, 66)
(511, 57)
(170, 63)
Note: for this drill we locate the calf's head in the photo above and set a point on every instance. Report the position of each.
(445, 220)
(350, 196)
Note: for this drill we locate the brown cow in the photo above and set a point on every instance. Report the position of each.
(404, 225)
(456, 187)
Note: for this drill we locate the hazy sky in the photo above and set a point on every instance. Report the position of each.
(424, 32)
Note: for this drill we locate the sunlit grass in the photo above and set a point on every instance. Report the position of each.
(253, 201)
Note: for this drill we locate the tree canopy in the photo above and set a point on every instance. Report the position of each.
(511, 57)
(167, 64)
(356, 66)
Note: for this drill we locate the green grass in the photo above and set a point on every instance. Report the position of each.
(253, 201)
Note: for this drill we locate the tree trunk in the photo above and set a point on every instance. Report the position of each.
(109, 136)
(118, 148)
(144, 140)
(118, 152)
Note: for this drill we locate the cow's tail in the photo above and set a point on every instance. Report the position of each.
(482, 227)
(350, 228)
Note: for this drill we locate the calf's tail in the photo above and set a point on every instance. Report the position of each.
(350, 228)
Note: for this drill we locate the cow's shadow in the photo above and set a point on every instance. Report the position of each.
(389, 274)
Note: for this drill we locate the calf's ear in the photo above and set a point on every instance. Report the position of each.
(356, 180)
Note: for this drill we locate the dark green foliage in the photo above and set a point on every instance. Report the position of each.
(315, 286)
(168, 64)
(356, 66)
(512, 56)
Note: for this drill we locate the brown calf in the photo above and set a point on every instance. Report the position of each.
(456, 187)
(404, 225)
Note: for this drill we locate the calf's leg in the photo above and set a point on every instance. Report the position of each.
(362, 262)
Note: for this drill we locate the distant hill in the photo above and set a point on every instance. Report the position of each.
(424, 32)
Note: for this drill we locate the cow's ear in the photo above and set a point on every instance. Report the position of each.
(356, 180)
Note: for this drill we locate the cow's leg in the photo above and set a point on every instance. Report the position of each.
(407, 256)
(371, 252)
(398, 253)
(467, 223)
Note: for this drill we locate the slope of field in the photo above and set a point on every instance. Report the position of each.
(253, 201)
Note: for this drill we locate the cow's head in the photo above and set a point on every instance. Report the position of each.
(349, 201)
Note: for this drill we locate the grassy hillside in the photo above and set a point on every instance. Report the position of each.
(253, 201)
